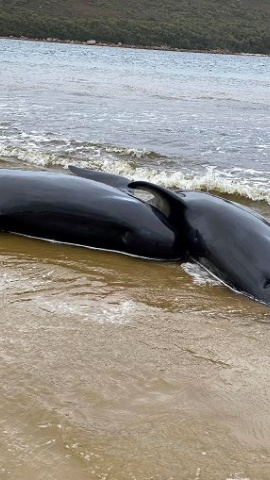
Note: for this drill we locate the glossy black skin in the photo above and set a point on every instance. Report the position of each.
(79, 211)
(229, 240)
(116, 181)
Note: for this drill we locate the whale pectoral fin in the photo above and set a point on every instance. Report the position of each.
(116, 181)
(164, 200)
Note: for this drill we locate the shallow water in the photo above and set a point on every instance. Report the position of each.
(114, 367)
(117, 368)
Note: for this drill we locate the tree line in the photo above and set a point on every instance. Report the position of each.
(248, 35)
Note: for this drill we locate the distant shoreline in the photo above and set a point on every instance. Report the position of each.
(93, 43)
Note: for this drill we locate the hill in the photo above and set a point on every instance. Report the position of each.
(233, 25)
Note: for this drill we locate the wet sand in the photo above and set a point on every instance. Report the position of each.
(117, 368)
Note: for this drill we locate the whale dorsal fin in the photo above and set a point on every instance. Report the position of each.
(116, 181)
(164, 200)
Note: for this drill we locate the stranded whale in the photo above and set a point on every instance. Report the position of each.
(230, 241)
(74, 210)
(227, 239)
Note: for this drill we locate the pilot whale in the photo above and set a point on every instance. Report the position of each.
(227, 239)
(74, 210)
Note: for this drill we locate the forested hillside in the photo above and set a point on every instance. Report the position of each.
(234, 25)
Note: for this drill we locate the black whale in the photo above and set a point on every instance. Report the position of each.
(74, 210)
(229, 240)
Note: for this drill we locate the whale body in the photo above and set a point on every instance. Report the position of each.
(230, 241)
(74, 210)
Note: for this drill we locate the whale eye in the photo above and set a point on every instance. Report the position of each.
(266, 284)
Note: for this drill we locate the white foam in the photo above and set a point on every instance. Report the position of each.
(210, 179)
(237, 476)
(199, 275)
(120, 313)
(250, 183)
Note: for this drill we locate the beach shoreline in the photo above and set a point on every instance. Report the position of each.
(94, 43)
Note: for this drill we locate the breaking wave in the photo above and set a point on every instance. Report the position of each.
(52, 151)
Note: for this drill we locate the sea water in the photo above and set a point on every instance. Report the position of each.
(113, 367)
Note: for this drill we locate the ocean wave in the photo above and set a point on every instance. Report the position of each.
(52, 151)
(247, 184)
(24, 145)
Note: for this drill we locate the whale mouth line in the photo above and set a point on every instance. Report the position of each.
(99, 249)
